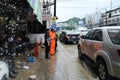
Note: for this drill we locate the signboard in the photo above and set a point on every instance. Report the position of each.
(54, 26)
(54, 19)
(46, 17)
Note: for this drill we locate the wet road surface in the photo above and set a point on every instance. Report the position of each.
(68, 66)
(64, 65)
(88, 70)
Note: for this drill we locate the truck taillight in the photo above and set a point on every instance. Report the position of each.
(119, 52)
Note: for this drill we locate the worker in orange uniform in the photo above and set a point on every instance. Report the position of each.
(52, 35)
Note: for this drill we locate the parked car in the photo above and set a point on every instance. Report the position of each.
(82, 30)
(102, 47)
(3, 71)
(69, 36)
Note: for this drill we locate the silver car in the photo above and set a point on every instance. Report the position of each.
(102, 46)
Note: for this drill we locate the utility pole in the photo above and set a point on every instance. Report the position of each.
(74, 24)
(54, 17)
(54, 8)
(106, 16)
(111, 4)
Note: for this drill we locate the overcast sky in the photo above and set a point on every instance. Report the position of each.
(67, 9)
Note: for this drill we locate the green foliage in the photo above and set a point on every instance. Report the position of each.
(73, 20)
(69, 28)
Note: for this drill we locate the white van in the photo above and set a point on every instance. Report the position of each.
(82, 30)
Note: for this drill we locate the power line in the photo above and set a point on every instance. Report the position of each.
(84, 1)
(75, 7)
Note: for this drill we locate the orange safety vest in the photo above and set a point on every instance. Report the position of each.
(52, 43)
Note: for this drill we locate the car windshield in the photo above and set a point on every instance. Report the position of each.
(114, 35)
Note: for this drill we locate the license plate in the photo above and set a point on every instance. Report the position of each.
(73, 37)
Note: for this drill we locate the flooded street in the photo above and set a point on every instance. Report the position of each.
(64, 65)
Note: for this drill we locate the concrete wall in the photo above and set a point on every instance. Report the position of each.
(38, 37)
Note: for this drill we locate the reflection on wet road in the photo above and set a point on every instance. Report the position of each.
(67, 66)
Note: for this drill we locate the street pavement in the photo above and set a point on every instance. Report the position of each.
(64, 65)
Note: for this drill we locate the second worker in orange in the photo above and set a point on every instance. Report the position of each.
(52, 35)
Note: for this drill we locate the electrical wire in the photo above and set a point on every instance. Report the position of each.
(74, 7)
(82, 1)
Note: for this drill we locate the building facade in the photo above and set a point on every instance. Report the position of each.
(46, 14)
(110, 18)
